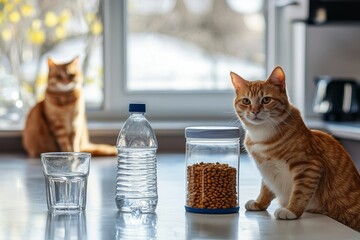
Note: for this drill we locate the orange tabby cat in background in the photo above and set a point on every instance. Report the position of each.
(58, 123)
(307, 170)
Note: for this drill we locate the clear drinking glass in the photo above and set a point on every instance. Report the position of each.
(66, 176)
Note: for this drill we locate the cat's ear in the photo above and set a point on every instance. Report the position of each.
(51, 65)
(277, 78)
(50, 62)
(238, 81)
(76, 60)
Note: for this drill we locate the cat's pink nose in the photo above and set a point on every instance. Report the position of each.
(255, 111)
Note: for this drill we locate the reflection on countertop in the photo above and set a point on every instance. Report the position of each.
(24, 215)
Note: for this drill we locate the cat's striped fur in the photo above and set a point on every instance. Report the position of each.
(58, 123)
(306, 170)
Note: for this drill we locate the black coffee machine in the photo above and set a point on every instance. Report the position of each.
(337, 99)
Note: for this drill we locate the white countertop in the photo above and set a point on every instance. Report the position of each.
(346, 130)
(23, 211)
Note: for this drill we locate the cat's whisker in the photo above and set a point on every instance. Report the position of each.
(281, 126)
(235, 122)
(277, 128)
(283, 123)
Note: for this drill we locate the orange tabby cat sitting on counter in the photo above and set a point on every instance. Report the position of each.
(58, 123)
(307, 170)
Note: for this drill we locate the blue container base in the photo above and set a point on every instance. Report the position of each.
(212, 211)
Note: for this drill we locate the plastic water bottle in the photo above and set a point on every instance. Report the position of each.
(136, 182)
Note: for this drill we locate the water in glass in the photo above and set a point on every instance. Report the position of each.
(66, 191)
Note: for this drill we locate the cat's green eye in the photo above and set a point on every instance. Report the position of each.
(266, 100)
(246, 101)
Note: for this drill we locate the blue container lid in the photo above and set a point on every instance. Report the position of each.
(212, 132)
(212, 211)
(137, 107)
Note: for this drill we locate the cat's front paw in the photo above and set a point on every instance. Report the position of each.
(285, 214)
(253, 205)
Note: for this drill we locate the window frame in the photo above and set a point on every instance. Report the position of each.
(161, 105)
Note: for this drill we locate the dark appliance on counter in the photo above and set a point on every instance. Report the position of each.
(312, 38)
(336, 99)
(333, 11)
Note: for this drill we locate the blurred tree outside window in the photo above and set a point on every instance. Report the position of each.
(33, 30)
(191, 45)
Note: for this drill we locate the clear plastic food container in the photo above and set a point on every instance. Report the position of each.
(212, 169)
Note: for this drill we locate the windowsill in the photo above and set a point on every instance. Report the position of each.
(170, 134)
(110, 128)
(346, 130)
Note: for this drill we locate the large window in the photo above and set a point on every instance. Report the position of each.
(174, 55)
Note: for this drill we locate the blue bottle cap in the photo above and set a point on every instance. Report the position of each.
(137, 107)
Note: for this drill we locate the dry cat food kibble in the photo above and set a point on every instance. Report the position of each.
(211, 186)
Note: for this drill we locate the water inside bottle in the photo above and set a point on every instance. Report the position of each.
(136, 185)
